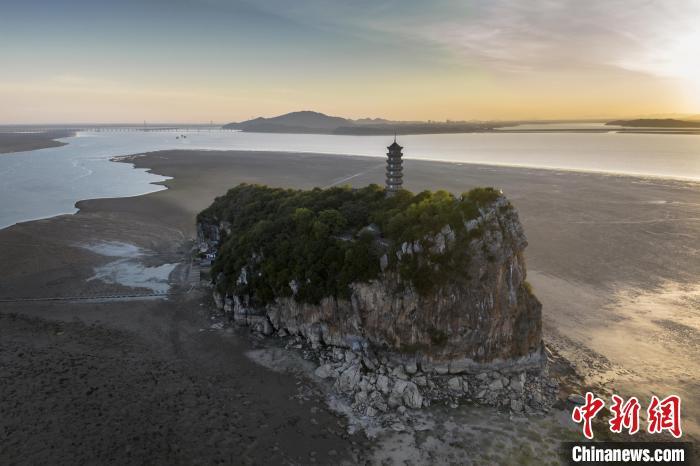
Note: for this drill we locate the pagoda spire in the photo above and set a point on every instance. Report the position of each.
(394, 168)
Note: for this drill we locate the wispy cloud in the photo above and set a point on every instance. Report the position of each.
(513, 35)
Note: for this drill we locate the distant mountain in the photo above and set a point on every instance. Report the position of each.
(296, 122)
(319, 123)
(655, 123)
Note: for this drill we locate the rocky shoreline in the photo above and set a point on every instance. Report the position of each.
(377, 384)
(380, 385)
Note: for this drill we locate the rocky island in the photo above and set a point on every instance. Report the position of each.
(404, 300)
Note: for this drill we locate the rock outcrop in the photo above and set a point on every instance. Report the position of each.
(476, 334)
(486, 315)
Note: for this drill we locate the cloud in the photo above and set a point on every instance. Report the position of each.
(515, 35)
(521, 36)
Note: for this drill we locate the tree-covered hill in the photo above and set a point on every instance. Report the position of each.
(315, 243)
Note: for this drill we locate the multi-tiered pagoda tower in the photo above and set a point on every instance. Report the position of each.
(394, 169)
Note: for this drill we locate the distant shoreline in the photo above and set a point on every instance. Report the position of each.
(362, 132)
(655, 123)
(26, 139)
(22, 142)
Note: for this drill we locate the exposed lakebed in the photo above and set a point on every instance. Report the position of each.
(128, 268)
(47, 182)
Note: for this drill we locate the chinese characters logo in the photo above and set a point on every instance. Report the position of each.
(662, 415)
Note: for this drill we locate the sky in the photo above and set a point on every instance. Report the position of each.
(228, 60)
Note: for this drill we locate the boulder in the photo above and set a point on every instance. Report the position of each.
(411, 367)
(382, 384)
(399, 387)
(324, 371)
(412, 397)
(338, 354)
(496, 385)
(421, 381)
(396, 395)
(369, 362)
(377, 401)
(455, 384)
(399, 373)
(349, 379)
(361, 398)
(517, 383)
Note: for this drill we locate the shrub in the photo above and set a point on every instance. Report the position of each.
(482, 196)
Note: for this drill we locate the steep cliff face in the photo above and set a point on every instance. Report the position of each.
(483, 313)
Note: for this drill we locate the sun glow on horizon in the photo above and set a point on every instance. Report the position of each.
(199, 60)
(684, 62)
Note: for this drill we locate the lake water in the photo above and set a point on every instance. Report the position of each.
(48, 182)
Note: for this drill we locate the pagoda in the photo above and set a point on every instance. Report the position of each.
(394, 169)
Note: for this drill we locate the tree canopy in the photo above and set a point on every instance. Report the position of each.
(314, 243)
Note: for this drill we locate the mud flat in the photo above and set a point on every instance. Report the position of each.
(614, 260)
(19, 142)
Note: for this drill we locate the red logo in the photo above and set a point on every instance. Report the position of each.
(587, 412)
(665, 415)
(662, 415)
(625, 415)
